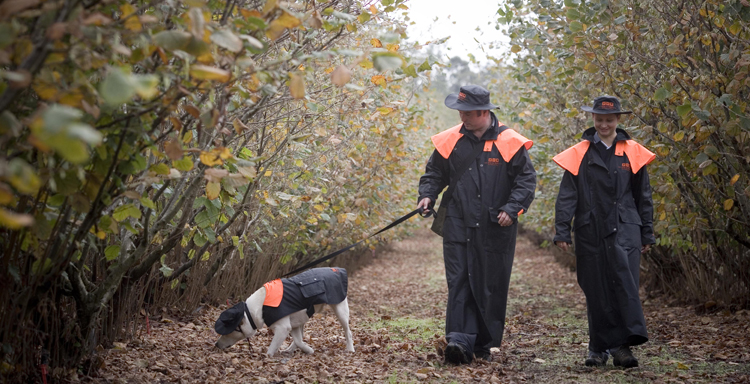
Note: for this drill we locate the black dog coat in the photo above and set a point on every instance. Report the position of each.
(304, 291)
(289, 295)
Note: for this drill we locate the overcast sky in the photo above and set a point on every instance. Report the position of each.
(462, 20)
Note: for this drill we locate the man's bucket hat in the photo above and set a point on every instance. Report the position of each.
(470, 98)
(605, 105)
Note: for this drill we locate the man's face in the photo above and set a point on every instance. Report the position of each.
(474, 120)
(605, 124)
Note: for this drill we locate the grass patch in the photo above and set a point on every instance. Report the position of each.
(407, 329)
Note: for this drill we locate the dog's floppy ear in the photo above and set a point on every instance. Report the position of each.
(230, 319)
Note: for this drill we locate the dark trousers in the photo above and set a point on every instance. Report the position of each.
(464, 323)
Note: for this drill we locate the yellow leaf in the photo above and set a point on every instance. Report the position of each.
(131, 23)
(269, 6)
(679, 136)
(13, 220)
(204, 72)
(515, 48)
(319, 207)
(6, 194)
(366, 64)
(734, 179)
(210, 158)
(376, 43)
(728, 204)
(212, 190)
(378, 80)
(392, 47)
(282, 23)
(296, 85)
(224, 152)
(385, 110)
(373, 9)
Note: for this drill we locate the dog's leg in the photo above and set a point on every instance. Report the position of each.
(281, 330)
(342, 313)
(298, 320)
(297, 336)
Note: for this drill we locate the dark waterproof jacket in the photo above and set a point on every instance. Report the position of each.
(610, 202)
(304, 291)
(478, 252)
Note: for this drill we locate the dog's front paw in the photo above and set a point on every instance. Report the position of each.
(307, 349)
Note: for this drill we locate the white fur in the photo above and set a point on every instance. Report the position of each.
(293, 323)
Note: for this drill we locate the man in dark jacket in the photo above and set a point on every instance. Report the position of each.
(479, 232)
(606, 188)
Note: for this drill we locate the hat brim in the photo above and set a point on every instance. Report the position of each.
(452, 102)
(230, 319)
(605, 111)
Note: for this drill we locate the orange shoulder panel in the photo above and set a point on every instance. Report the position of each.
(446, 140)
(638, 155)
(509, 142)
(274, 293)
(570, 159)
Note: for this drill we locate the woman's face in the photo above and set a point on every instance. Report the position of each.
(605, 124)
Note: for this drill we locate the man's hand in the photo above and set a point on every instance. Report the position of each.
(645, 248)
(503, 219)
(425, 205)
(563, 245)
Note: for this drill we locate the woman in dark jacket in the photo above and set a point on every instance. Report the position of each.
(606, 188)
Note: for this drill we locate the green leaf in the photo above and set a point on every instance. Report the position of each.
(160, 169)
(227, 40)
(148, 203)
(172, 40)
(111, 252)
(410, 71)
(166, 271)
(684, 109)
(118, 87)
(711, 151)
(146, 86)
(661, 94)
(573, 14)
(386, 61)
(124, 211)
(575, 26)
(185, 164)
(424, 67)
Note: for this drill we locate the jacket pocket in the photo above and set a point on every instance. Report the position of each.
(629, 215)
(311, 287)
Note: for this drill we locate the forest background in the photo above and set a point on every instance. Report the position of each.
(173, 153)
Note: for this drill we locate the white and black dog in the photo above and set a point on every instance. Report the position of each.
(285, 305)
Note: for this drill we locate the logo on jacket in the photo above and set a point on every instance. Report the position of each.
(493, 161)
(625, 166)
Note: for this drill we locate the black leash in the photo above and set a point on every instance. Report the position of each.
(342, 250)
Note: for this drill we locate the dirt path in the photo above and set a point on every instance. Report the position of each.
(397, 306)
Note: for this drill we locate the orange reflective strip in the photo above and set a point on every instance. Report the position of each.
(570, 159)
(509, 142)
(274, 293)
(446, 140)
(520, 212)
(637, 154)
